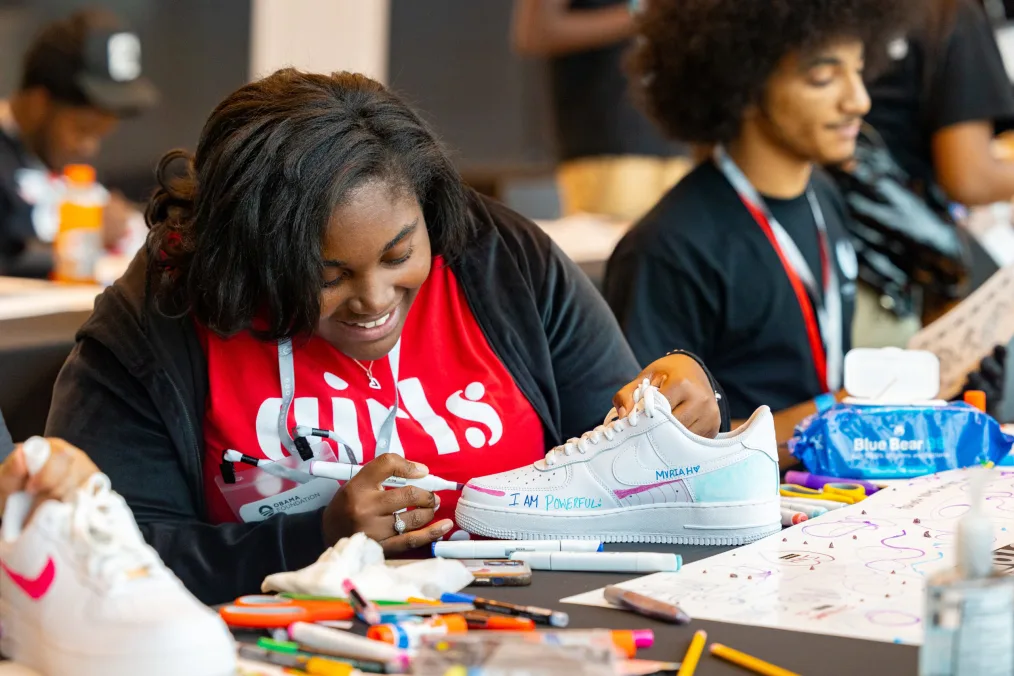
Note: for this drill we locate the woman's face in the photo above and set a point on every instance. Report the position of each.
(376, 256)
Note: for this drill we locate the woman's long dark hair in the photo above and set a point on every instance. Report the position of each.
(238, 234)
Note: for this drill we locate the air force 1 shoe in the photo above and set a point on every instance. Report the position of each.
(81, 593)
(642, 478)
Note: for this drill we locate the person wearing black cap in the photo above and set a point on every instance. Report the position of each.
(80, 76)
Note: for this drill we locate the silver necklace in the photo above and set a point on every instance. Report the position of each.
(374, 383)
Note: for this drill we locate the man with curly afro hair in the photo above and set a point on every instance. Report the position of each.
(746, 262)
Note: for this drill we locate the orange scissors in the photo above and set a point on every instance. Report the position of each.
(261, 611)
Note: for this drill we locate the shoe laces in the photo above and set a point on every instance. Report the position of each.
(644, 403)
(104, 533)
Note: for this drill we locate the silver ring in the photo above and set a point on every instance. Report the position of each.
(399, 525)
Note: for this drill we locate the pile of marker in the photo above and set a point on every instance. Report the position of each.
(807, 496)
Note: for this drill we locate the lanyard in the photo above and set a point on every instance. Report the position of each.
(287, 375)
(821, 314)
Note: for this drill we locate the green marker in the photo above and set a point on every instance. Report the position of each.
(277, 646)
(311, 597)
(267, 646)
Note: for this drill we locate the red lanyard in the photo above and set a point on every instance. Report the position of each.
(822, 315)
(802, 296)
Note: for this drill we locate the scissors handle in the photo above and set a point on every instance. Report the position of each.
(846, 488)
(795, 491)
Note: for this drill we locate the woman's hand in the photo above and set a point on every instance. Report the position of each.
(67, 469)
(363, 505)
(685, 384)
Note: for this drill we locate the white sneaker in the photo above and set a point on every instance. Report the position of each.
(81, 593)
(643, 478)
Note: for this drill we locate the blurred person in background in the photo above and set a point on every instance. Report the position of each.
(747, 260)
(936, 109)
(938, 104)
(80, 76)
(612, 160)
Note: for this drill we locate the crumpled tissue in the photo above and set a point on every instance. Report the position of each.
(360, 559)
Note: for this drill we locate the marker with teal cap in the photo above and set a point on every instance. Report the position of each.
(502, 549)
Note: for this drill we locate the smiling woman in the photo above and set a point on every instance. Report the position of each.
(319, 263)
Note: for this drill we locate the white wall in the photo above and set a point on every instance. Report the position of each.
(320, 36)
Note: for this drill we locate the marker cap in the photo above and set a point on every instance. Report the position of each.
(456, 598)
(36, 451)
(388, 633)
(455, 624)
(643, 638)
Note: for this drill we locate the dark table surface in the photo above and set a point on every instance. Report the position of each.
(32, 350)
(799, 652)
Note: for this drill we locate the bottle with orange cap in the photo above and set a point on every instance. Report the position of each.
(409, 635)
(78, 244)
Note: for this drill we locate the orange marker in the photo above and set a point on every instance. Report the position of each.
(480, 619)
(976, 398)
(791, 517)
(409, 635)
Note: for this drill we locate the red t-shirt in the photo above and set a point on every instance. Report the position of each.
(461, 414)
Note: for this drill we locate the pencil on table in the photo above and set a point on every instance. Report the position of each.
(748, 661)
(693, 655)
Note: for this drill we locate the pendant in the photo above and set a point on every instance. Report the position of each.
(374, 383)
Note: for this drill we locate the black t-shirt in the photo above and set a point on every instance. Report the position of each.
(594, 113)
(698, 273)
(968, 82)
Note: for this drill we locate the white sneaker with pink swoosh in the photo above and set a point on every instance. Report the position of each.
(641, 478)
(81, 593)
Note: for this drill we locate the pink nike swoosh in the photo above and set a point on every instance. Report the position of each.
(627, 492)
(37, 587)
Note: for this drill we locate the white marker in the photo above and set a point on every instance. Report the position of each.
(608, 562)
(36, 451)
(826, 504)
(811, 511)
(340, 471)
(501, 549)
(343, 643)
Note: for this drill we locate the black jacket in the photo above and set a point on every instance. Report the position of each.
(132, 394)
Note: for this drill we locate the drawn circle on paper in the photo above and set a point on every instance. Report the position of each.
(951, 511)
(892, 618)
(837, 529)
(269, 485)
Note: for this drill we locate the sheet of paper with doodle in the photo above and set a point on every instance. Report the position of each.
(858, 571)
(970, 331)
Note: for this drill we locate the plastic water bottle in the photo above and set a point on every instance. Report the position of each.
(78, 244)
